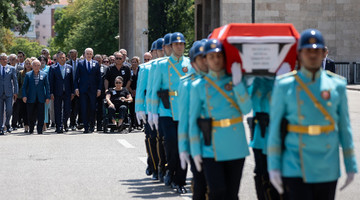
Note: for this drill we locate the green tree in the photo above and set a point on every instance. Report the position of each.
(12, 14)
(30, 48)
(6, 38)
(168, 16)
(88, 23)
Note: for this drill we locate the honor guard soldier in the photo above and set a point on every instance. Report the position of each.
(141, 112)
(198, 63)
(309, 122)
(159, 51)
(217, 136)
(165, 85)
(260, 92)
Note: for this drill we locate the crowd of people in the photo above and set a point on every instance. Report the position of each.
(193, 113)
(48, 91)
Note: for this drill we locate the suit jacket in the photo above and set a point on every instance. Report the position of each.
(88, 81)
(58, 84)
(70, 62)
(330, 65)
(41, 91)
(8, 84)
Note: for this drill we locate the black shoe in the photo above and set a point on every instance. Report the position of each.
(86, 131)
(2, 132)
(40, 132)
(31, 130)
(66, 129)
(80, 126)
(59, 130)
(173, 185)
(155, 176)
(26, 131)
(148, 171)
(161, 176)
(9, 130)
(181, 190)
(91, 130)
(52, 125)
(14, 128)
(73, 128)
(167, 178)
(121, 127)
(99, 129)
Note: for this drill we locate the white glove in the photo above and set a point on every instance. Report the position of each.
(142, 116)
(349, 179)
(198, 161)
(155, 118)
(138, 117)
(150, 120)
(184, 158)
(236, 73)
(275, 179)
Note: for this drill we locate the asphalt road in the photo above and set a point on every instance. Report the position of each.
(106, 166)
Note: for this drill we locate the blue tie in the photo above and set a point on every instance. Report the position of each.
(3, 72)
(88, 67)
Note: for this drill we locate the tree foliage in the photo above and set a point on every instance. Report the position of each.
(168, 16)
(30, 48)
(6, 38)
(12, 14)
(88, 23)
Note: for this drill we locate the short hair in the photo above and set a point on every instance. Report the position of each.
(13, 56)
(118, 52)
(122, 50)
(45, 49)
(3, 55)
(98, 56)
(73, 51)
(119, 78)
(42, 57)
(136, 58)
(89, 49)
(35, 61)
(21, 52)
(59, 53)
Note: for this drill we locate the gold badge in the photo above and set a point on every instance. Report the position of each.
(185, 69)
(228, 87)
(213, 46)
(178, 38)
(312, 40)
(201, 49)
(325, 95)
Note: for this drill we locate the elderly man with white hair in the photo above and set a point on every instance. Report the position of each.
(8, 91)
(87, 86)
(36, 92)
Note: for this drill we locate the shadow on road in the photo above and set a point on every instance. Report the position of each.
(146, 188)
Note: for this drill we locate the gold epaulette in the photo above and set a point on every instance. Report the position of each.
(187, 76)
(292, 73)
(335, 75)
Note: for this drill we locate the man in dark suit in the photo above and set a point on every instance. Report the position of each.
(61, 90)
(8, 91)
(87, 87)
(36, 92)
(75, 105)
(327, 63)
(100, 99)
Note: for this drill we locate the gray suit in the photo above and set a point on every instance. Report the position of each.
(8, 87)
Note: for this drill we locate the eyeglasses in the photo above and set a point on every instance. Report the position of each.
(146, 59)
(106, 61)
(118, 58)
(118, 82)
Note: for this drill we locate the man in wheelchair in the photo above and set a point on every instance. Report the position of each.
(117, 100)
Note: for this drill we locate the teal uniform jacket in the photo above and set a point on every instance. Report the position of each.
(227, 143)
(184, 98)
(168, 74)
(149, 86)
(314, 158)
(261, 90)
(141, 86)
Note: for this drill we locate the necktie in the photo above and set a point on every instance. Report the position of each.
(3, 72)
(88, 67)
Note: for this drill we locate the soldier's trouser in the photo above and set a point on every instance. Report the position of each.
(223, 178)
(161, 151)
(150, 142)
(199, 188)
(264, 188)
(169, 128)
(296, 189)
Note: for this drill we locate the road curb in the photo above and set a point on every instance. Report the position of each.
(353, 88)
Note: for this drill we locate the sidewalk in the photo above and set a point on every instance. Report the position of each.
(355, 87)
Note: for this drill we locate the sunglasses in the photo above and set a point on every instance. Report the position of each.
(146, 59)
(118, 82)
(106, 61)
(118, 58)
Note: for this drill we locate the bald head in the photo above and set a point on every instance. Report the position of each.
(147, 57)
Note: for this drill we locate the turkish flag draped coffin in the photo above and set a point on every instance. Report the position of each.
(261, 49)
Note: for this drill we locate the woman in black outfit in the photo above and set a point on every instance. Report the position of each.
(117, 99)
(135, 61)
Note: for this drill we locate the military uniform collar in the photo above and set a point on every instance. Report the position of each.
(309, 75)
(174, 58)
(201, 73)
(215, 75)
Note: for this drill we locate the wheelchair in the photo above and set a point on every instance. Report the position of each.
(112, 128)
